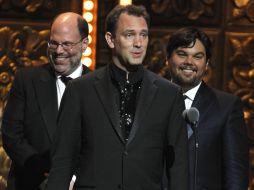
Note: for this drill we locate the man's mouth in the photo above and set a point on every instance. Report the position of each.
(188, 69)
(136, 54)
(60, 58)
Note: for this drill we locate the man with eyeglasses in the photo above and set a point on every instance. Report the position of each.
(122, 122)
(29, 120)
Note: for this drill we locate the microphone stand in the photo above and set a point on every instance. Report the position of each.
(195, 131)
(191, 116)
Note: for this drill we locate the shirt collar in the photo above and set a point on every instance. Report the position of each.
(192, 92)
(76, 73)
(122, 76)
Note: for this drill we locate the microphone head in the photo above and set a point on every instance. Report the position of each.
(191, 115)
(184, 114)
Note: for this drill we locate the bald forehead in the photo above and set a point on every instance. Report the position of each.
(66, 18)
(66, 25)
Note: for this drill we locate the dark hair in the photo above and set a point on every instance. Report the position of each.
(81, 24)
(186, 37)
(113, 16)
(82, 27)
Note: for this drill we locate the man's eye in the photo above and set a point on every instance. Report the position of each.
(198, 57)
(53, 43)
(128, 35)
(67, 44)
(144, 35)
(181, 54)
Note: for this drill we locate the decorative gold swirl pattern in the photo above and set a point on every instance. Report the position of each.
(28, 6)
(192, 9)
(243, 9)
(241, 82)
(18, 48)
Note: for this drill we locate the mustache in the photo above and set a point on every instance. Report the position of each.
(55, 55)
(188, 67)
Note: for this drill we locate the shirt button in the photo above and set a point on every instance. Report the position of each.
(125, 153)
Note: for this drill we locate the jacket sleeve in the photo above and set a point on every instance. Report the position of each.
(13, 124)
(236, 149)
(66, 145)
(177, 135)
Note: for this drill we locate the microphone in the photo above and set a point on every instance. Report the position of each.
(191, 115)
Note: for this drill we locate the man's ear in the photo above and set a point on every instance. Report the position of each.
(84, 44)
(207, 63)
(110, 40)
(166, 62)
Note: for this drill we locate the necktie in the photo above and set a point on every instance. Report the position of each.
(65, 79)
(189, 130)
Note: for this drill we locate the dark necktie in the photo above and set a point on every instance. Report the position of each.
(65, 79)
(189, 130)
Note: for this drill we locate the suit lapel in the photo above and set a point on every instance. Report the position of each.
(147, 94)
(85, 70)
(104, 89)
(45, 87)
(202, 101)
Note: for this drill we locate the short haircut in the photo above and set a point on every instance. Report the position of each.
(186, 38)
(82, 25)
(134, 10)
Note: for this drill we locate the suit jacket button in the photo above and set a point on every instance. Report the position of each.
(119, 186)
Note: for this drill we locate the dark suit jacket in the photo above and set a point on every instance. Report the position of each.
(89, 115)
(28, 127)
(223, 143)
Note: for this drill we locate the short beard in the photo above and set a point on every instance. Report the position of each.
(185, 83)
(75, 60)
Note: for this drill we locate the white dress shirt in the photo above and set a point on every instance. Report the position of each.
(189, 97)
(190, 94)
(60, 86)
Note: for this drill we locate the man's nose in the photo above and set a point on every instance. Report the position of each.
(137, 41)
(188, 59)
(59, 48)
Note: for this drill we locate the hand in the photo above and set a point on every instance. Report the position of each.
(38, 164)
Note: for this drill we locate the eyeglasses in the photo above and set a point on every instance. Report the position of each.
(65, 45)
